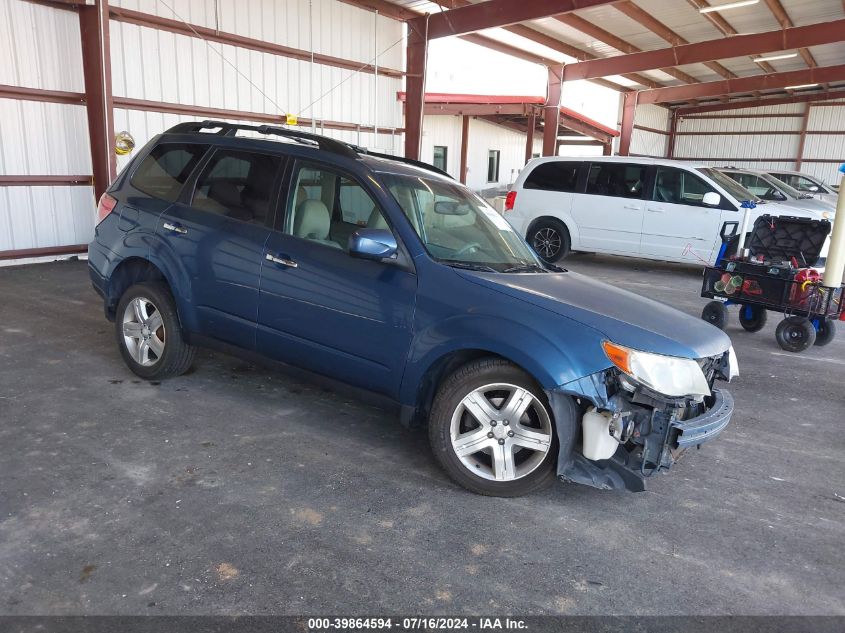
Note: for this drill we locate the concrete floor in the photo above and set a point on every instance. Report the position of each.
(237, 489)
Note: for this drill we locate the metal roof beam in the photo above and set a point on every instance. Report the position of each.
(657, 27)
(812, 97)
(732, 46)
(494, 13)
(588, 28)
(744, 84)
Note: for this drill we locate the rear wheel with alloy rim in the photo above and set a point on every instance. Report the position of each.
(491, 430)
(550, 240)
(149, 334)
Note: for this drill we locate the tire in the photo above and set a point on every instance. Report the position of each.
(549, 239)
(148, 332)
(795, 334)
(715, 313)
(753, 318)
(512, 457)
(826, 332)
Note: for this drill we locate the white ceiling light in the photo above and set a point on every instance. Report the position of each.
(729, 5)
(773, 58)
(800, 87)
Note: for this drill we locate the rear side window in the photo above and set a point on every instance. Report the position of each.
(165, 169)
(616, 179)
(239, 185)
(553, 176)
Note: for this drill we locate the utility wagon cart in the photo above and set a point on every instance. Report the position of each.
(775, 272)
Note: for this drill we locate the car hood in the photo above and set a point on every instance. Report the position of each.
(622, 316)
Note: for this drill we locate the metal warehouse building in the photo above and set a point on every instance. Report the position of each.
(77, 72)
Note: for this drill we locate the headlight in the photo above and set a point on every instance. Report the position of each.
(667, 375)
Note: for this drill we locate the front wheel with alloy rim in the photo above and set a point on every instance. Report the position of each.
(149, 334)
(550, 240)
(491, 430)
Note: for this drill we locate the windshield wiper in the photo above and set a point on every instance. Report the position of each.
(525, 268)
(455, 263)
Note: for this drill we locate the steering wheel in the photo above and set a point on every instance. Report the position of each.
(467, 249)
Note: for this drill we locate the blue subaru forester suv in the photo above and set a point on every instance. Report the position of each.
(386, 274)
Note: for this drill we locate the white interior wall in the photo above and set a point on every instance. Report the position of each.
(646, 142)
(483, 136)
(826, 147)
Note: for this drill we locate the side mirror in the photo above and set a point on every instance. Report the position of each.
(712, 199)
(813, 188)
(375, 244)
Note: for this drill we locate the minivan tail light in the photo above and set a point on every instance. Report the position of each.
(510, 199)
(105, 206)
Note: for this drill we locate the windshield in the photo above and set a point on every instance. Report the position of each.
(458, 228)
(729, 184)
(790, 191)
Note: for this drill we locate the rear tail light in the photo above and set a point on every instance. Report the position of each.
(510, 199)
(106, 206)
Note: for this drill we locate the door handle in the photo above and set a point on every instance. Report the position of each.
(632, 207)
(175, 228)
(283, 261)
(656, 209)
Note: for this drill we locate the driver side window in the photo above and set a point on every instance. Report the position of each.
(677, 186)
(327, 207)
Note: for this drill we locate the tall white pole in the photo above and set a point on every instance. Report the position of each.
(835, 264)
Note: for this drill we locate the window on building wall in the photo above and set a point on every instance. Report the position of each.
(535, 155)
(493, 165)
(440, 155)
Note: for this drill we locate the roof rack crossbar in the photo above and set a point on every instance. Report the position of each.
(323, 142)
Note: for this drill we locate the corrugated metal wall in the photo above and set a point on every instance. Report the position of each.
(142, 65)
(825, 146)
(723, 138)
(483, 136)
(646, 142)
(40, 48)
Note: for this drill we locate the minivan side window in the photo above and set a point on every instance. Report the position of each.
(166, 168)
(678, 186)
(237, 184)
(616, 179)
(553, 176)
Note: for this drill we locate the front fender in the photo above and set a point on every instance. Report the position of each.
(552, 356)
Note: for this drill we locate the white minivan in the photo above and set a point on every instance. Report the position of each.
(639, 207)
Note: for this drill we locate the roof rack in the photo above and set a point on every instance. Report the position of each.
(230, 129)
(323, 142)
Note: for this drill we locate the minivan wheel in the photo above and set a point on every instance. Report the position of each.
(550, 240)
(491, 430)
(149, 334)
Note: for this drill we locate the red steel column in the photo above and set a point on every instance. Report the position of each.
(629, 109)
(551, 113)
(673, 131)
(417, 52)
(464, 147)
(96, 67)
(803, 138)
(529, 135)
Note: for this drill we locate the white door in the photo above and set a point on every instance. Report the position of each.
(678, 225)
(609, 214)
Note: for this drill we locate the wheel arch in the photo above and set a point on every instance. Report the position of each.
(128, 272)
(567, 223)
(444, 366)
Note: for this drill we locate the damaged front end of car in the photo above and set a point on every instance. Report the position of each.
(619, 426)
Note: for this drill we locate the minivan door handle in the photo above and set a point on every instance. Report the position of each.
(175, 228)
(282, 261)
(656, 209)
(632, 207)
